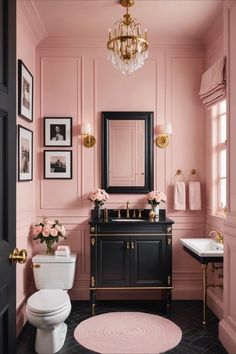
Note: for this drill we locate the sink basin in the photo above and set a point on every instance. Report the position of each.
(127, 220)
(203, 247)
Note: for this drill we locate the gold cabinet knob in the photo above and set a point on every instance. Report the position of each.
(92, 230)
(19, 256)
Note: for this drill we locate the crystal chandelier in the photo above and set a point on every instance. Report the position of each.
(127, 49)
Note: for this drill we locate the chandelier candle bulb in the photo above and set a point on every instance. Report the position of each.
(145, 34)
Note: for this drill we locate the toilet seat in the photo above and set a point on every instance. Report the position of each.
(48, 302)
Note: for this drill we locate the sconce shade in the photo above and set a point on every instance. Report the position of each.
(86, 128)
(88, 139)
(168, 129)
(163, 132)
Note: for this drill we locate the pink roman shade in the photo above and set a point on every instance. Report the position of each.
(213, 84)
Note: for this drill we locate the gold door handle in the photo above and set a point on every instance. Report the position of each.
(127, 245)
(132, 245)
(18, 256)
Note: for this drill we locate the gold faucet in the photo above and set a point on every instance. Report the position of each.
(127, 209)
(218, 236)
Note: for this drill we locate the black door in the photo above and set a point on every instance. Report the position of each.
(148, 261)
(7, 173)
(113, 257)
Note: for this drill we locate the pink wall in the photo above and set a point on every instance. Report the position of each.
(26, 191)
(227, 329)
(214, 43)
(80, 82)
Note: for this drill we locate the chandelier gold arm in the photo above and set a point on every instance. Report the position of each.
(124, 38)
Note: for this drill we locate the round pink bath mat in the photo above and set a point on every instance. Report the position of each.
(128, 333)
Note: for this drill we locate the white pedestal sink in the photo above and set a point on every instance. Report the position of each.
(204, 250)
(204, 247)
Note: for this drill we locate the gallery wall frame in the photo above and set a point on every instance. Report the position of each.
(57, 164)
(25, 154)
(25, 92)
(57, 131)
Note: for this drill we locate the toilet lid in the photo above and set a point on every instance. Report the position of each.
(48, 300)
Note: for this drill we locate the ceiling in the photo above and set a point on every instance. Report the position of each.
(91, 19)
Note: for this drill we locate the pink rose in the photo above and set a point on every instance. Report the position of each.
(163, 197)
(151, 195)
(37, 230)
(58, 228)
(46, 232)
(158, 199)
(54, 232)
(99, 197)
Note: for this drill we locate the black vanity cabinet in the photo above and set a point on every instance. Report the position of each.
(131, 256)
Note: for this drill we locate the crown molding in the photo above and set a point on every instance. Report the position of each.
(28, 15)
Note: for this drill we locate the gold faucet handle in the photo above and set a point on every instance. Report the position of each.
(219, 238)
(140, 213)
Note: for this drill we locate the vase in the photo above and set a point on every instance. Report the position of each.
(155, 209)
(97, 212)
(50, 249)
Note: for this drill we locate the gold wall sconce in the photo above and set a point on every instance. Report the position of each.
(88, 139)
(163, 135)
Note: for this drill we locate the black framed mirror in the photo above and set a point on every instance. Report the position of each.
(127, 152)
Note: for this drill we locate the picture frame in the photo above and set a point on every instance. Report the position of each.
(25, 154)
(57, 131)
(25, 92)
(57, 164)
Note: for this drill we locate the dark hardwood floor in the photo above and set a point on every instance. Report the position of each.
(186, 314)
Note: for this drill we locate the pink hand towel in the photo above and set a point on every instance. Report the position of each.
(179, 196)
(195, 195)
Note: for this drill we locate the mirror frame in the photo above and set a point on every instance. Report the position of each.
(148, 119)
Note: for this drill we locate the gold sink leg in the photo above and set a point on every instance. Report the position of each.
(204, 283)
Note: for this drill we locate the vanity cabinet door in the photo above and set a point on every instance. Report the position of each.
(113, 261)
(149, 261)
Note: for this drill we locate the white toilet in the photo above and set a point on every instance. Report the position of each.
(48, 308)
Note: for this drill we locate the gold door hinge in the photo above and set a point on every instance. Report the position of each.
(92, 241)
(169, 279)
(92, 281)
(169, 241)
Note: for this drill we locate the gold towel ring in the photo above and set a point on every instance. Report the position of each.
(179, 173)
(194, 176)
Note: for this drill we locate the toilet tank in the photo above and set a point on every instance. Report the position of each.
(54, 272)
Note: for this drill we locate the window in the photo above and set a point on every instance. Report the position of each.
(221, 155)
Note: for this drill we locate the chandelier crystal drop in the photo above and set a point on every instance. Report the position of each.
(127, 49)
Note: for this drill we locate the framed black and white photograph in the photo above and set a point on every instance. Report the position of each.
(58, 131)
(25, 154)
(58, 164)
(25, 92)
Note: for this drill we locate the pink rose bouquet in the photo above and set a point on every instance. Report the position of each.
(49, 232)
(156, 197)
(99, 197)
